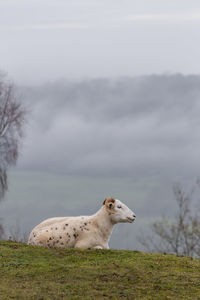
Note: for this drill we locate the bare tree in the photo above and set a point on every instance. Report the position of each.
(180, 235)
(1, 232)
(12, 117)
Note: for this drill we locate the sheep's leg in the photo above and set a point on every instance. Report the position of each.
(83, 244)
(97, 247)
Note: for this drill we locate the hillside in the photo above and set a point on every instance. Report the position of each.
(35, 273)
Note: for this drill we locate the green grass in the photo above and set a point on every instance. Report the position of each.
(28, 272)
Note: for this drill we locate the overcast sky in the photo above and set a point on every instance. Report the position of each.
(44, 40)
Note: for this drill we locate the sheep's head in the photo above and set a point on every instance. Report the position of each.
(118, 211)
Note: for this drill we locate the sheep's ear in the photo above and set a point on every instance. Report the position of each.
(104, 201)
(109, 204)
(110, 207)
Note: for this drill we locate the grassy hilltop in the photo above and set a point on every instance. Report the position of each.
(28, 272)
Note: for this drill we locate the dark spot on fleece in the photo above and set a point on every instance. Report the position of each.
(66, 224)
(75, 235)
(60, 237)
(85, 223)
(56, 228)
(47, 230)
(86, 229)
(74, 229)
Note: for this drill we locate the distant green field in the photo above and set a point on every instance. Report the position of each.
(28, 272)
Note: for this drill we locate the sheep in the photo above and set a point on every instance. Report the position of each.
(82, 231)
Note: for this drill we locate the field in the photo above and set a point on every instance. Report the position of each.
(28, 272)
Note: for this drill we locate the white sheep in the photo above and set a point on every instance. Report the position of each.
(83, 231)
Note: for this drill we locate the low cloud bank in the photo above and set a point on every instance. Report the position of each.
(144, 125)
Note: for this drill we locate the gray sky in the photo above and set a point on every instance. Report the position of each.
(44, 40)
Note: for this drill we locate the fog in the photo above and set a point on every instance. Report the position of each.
(126, 127)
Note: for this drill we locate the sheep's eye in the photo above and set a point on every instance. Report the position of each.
(119, 206)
